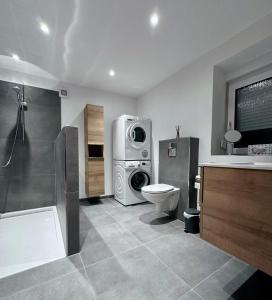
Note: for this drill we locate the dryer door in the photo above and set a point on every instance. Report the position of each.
(138, 179)
(136, 135)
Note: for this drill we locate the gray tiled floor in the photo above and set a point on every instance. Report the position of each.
(132, 253)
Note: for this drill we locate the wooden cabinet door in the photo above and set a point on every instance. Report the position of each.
(95, 128)
(96, 178)
(236, 213)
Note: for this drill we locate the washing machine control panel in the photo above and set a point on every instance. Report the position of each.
(137, 164)
(132, 164)
(145, 163)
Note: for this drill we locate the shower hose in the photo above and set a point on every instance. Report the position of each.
(15, 137)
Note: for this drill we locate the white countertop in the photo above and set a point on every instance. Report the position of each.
(248, 165)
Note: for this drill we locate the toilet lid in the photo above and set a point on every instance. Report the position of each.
(157, 188)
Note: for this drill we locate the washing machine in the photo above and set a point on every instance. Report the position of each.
(131, 138)
(129, 177)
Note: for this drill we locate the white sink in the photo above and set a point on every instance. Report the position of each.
(232, 163)
(266, 164)
(262, 164)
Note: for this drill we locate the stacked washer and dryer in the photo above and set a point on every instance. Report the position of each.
(131, 158)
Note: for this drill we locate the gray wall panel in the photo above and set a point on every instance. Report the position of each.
(31, 175)
(180, 171)
(30, 192)
(67, 187)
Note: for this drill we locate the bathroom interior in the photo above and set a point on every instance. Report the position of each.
(136, 149)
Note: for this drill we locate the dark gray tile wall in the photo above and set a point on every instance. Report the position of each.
(29, 181)
(180, 171)
(67, 187)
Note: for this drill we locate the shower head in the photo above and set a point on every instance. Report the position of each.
(20, 94)
(16, 89)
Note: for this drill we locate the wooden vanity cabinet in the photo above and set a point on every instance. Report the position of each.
(236, 213)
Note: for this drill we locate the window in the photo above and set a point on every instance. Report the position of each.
(253, 113)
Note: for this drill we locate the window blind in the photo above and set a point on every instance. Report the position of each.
(253, 109)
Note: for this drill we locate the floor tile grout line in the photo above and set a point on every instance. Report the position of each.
(174, 227)
(91, 216)
(192, 290)
(88, 278)
(92, 288)
(135, 237)
(142, 244)
(164, 234)
(122, 252)
(212, 273)
(99, 261)
(122, 225)
(112, 256)
(169, 268)
(44, 282)
(180, 277)
(198, 294)
(145, 245)
(160, 237)
(177, 228)
(192, 287)
(82, 262)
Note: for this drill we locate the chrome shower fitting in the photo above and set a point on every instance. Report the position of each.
(22, 107)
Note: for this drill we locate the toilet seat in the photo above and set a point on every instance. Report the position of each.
(164, 196)
(157, 188)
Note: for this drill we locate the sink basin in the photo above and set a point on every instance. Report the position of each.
(232, 163)
(262, 164)
(268, 164)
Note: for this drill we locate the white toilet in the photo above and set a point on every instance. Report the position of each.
(164, 196)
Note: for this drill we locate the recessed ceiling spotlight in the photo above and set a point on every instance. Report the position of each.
(111, 72)
(44, 28)
(154, 19)
(15, 56)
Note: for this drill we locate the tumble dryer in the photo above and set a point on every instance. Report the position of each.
(129, 178)
(132, 138)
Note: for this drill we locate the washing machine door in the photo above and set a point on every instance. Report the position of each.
(139, 179)
(136, 135)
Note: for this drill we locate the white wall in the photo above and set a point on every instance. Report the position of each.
(219, 109)
(72, 114)
(186, 97)
(181, 101)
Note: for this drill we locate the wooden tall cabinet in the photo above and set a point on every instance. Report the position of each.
(94, 150)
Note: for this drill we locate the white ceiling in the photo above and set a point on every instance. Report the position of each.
(89, 37)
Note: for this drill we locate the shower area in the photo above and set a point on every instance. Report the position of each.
(34, 211)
